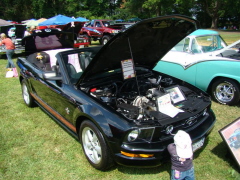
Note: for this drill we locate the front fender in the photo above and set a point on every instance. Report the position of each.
(110, 124)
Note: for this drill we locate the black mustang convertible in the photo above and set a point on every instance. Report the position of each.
(110, 98)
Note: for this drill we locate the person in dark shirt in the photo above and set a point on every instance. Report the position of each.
(181, 157)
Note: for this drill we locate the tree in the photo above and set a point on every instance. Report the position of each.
(214, 8)
(13, 9)
(159, 7)
(208, 12)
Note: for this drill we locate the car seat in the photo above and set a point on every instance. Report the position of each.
(42, 60)
(71, 70)
(85, 59)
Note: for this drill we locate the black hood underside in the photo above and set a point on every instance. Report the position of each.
(145, 42)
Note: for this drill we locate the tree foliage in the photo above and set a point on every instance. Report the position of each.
(208, 12)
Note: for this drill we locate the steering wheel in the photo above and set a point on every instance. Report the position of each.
(213, 46)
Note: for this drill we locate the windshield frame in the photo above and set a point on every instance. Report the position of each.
(210, 43)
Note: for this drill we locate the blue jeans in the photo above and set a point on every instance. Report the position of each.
(186, 175)
(9, 54)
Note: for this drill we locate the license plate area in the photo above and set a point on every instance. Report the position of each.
(197, 145)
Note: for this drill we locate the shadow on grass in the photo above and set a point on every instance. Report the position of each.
(223, 152)
(164, 167)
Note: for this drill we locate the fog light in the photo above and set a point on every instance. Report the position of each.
(137, 155)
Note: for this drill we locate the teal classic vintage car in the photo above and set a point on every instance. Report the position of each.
(204, 60)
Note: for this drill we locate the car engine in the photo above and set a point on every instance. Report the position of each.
(136, 98)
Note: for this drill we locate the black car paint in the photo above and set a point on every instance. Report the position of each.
(69, 105)
(112, 126)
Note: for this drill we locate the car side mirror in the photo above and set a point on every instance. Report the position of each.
(51, 75)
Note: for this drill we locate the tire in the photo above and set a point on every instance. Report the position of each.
(28, 99)
(105, 39)
(225, 91)
(94, 145)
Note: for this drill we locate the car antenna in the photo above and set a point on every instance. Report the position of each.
(134, 65)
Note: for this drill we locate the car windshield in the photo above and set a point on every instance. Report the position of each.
(200, 44)
(210, 43)
(108, 23)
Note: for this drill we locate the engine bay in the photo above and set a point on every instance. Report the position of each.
(138, 98)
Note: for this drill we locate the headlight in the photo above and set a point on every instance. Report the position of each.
(133, 135)
(115, 31)
(141, 134)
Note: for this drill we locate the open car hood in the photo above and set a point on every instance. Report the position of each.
(146, 42)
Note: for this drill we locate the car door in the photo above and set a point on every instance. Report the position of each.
(55, 96)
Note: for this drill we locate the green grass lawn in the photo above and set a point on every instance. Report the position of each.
(33, 146)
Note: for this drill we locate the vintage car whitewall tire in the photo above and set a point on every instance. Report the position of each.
(226, 91)
(95, 148)
(28, 99)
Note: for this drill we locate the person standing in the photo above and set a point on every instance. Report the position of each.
(27, 32)
(10, 47)
(181, 157)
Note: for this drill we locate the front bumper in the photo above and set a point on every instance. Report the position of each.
(159, 149)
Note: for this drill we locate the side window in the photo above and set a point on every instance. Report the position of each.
(182, 46)
(85, 58)
(76, 63)
(179, 46)
(195, 48)
(98, 24)
(106, 23)
(186, 45)
(71, 62)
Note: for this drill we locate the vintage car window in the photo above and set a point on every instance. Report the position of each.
(182, 46)
(210, 43)
(221, 42)
(186, 45)
(195, 48)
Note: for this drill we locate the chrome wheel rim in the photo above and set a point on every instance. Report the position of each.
(225, 92)
(91, 145)
(25, 94)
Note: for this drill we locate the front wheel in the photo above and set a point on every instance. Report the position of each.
(28, 99)
(226, 91)
(95, 148)
(105, 39)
